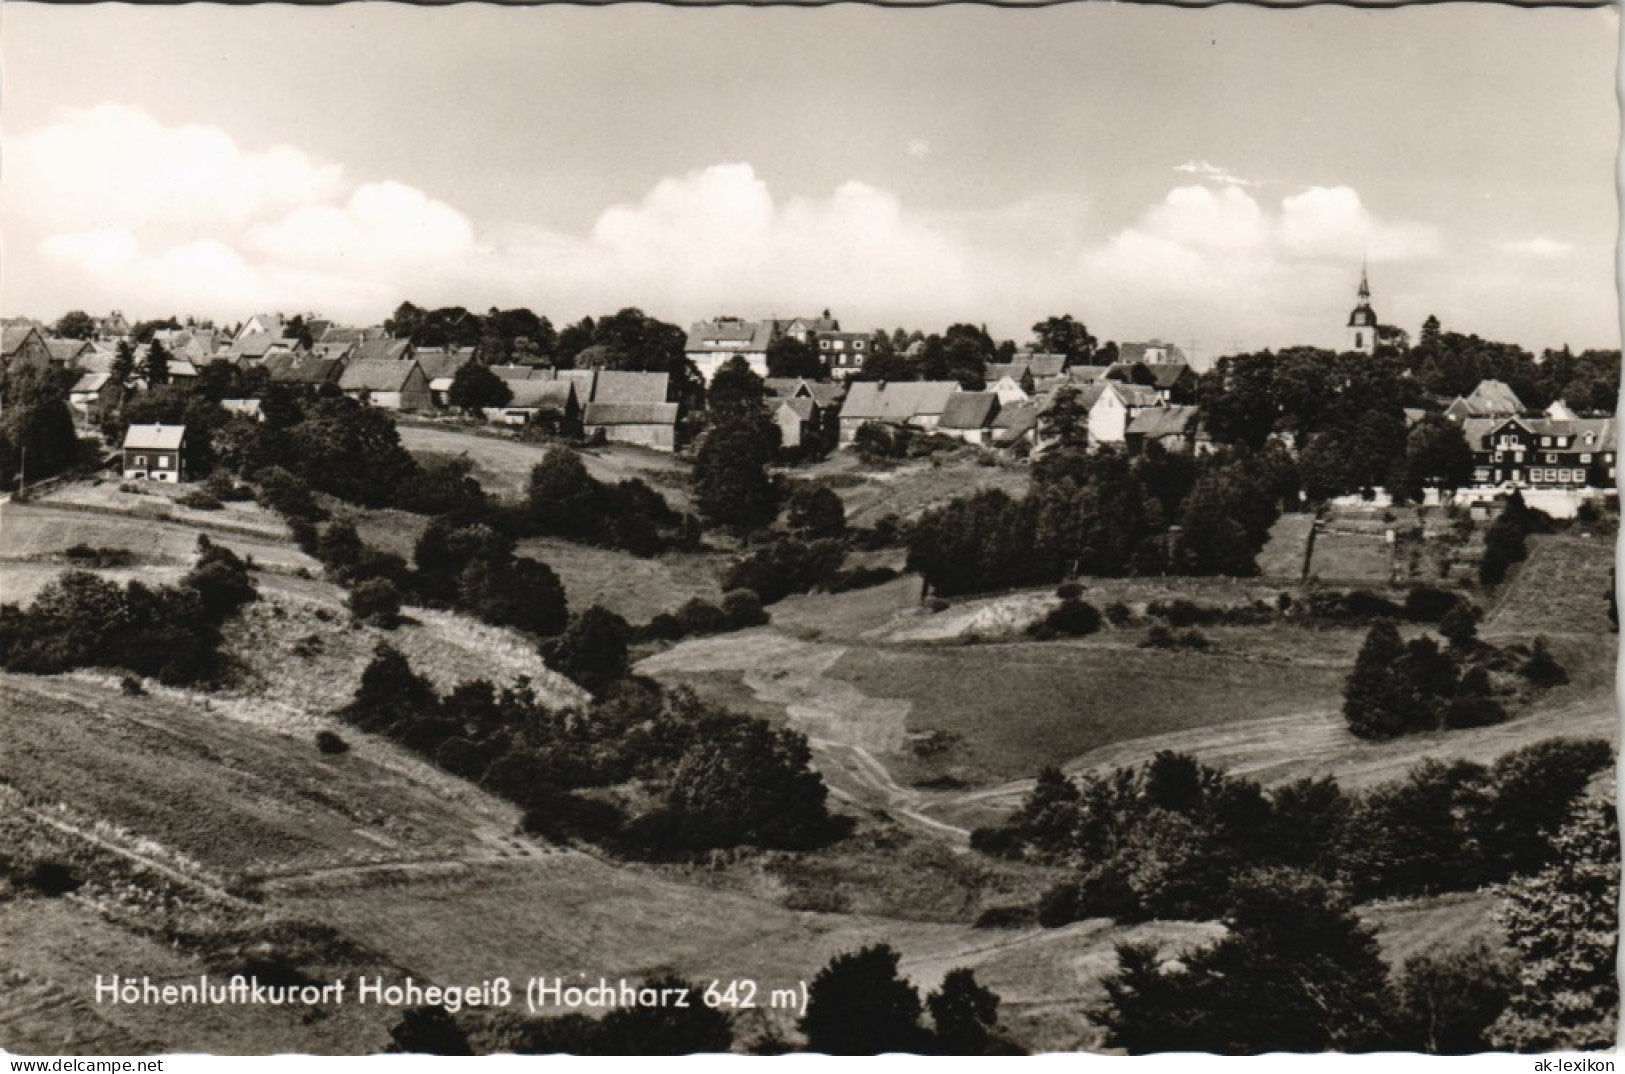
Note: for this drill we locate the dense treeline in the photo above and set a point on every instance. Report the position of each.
(37, 437)
(642, 772)
(1297, 970)
(1166, 839)
(170, 633)
(1104, 514)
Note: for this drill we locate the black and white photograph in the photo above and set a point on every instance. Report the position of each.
(960, 530)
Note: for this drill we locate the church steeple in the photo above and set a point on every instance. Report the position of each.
(1362, 326)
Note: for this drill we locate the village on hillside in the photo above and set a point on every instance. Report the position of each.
(1047, 661)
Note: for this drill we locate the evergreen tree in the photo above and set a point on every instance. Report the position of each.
(156, 367)
(1378, 701)
(859, 1005)
(1564, 923)
(963, 1014)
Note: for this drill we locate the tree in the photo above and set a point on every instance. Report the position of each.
(1460, 625)
(75, 324)
(1563, 922)
(428, 1031)
(123, 367)
(743, 781)
(859, 1005)
(1436, 456)
(1066, 421)
(1379, 701)
(816, 511)
(1296, 972)
(592, 650)
(788, 356)
(1063, 335)
(963, 1013)
(1449, 997)
(156, 367)
(474, 387)
(735, 392)
(665, 1029)
(732, 486)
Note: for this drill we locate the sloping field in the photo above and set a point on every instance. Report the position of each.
(300, 649)
(1284, 555)
(1562, 588)
(241, 797)
(909, 489)
(633, 587)
(502, 464)
(1014, 708)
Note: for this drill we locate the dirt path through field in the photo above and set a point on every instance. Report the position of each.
(845, 727)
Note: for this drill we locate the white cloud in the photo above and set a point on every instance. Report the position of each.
(919, 148)
(1212, 172)
(114, 165)
(1208, 261)
(1538, 247)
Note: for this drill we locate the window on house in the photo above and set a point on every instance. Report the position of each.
(1545, 441)
(141, 461)
(163, 460)
(1551, 458)
(1585, 458)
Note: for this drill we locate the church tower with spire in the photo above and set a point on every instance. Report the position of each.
(1362, 328)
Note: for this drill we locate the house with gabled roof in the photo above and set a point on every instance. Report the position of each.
(155, 453)
(1490, 399)
(919, 403)
(797, 417)
(631, 408)
(1543, 453)
(385, 350)
(94, 394)
(1015, 424)
(301, 370)
(844, 352)
(1152, 352)
(251, 348)
(23, 345)
(823, 393)
(711, 344)
(1176, 429)
(538, 400)
(440, 365)
(113, 327)
(1114, 407)
(263, 324)
(66, 353)
(969, 416)
(386, 383)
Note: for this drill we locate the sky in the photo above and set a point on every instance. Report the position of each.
(1216, 177)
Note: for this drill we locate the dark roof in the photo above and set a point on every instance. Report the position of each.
(438, 362)
(66, 350)
(375, 375)
(969, 410)
(1015, 420)
(292, 368)
(392, 350)
(615, 386)
(630, 414)
(14, 337)
(825, 395)
(518, 372)
(536, 394)
(869, 400)
(724, 336)
(1161, 421)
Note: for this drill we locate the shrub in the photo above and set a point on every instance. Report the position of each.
(376, 601)
(329, 742)
(53, 879)
(859, 578)
(743, 608)
(1069, 591)
(1427, 604)
(1118, 614)
(1473, 711)
(1159, 637)
(1542, 668)
(201, 500)
(88, 556)
(1071, 619)
(130, 686)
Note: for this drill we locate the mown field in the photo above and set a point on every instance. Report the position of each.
(502, 463)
